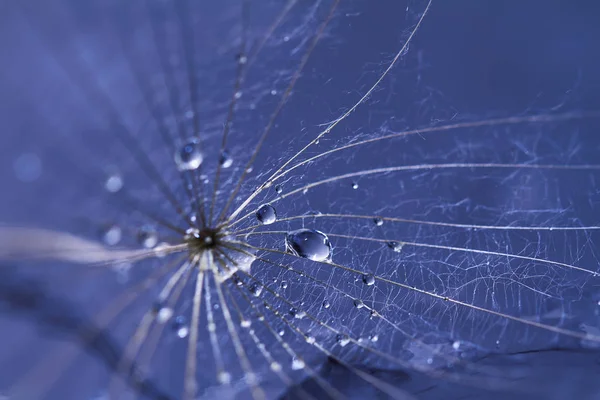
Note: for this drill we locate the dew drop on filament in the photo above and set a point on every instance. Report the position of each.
(266, 214)
(113, 183)
(148, 237)
(297, 364)
(308, 243)
(225, 160)
(369, 279)
(189, 157)
(395, 246)
(111, 235)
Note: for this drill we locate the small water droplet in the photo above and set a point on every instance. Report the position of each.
(113, 183)
(27, 167)
(358, 303)
(342, 340)
(308, 243)
(189, 157)
(273, 92)
(310, 339)
(192, 233)
(256, 289)
(374, 338)
(284, 285)
(224, 378)
(354, 185)
(281, 332)
(245, 323)
(111, 235)
(368, 279)
(241, 58)
(225, 159)
(395, 246)
(161, 249)
(148, 237)
(378, 221)
(180, 327)
(297, 364)
(456, 345)
(266, 214)
(278, 189)
(164, 314)
(275, 366)
(326, 304)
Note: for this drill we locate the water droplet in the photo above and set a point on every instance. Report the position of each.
(284, 285)
(374, 338)
(281, 332)
(308, 243)
(241, 58)
(354, 185)
(310, 339)
(112, 235)
(395, 246)
(266, 214)
(368, 279)
(224, 378)
(273, 92)
(278, 189)
(164, 314)
(456, 345)
(189, 156)
(225, 160)
(161, 249)
(297, 364)
(358, 303)
(326, 304)
(342, 340)
(256, 289)
(180, 327)
(191, 233)
(378, 221)
(113, 183)
(148, 237)
(27, 167)
(245, 323)
(275, 366)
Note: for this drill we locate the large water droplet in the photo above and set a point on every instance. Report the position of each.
(266, 214)
(189, 156)
(308, 243)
